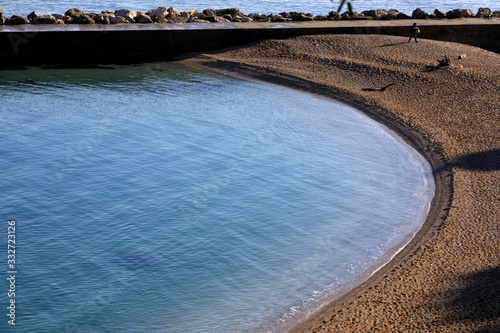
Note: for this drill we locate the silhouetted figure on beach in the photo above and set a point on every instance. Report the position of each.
(414, 31)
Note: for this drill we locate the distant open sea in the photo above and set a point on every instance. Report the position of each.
(317, 7)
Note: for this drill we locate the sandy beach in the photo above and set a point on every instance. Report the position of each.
(447, 279)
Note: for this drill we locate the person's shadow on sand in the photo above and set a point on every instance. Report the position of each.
(393, 44)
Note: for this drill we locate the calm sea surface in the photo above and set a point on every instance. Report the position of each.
(157, 198)
(24, 7)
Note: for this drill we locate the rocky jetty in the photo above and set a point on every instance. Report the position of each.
(171, 15)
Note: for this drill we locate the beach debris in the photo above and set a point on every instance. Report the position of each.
(445, 62)
(462, 56)
(378, 89)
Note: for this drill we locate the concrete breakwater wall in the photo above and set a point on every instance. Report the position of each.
(97, 43)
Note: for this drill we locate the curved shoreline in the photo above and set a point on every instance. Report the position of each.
(443, 185)
(309, 63)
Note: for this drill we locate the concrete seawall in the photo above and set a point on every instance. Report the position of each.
(52, 44)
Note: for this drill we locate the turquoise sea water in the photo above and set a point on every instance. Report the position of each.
(157, 198)
(317, 7)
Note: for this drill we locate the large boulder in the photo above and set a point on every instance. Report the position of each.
(176, 19)
(199, 15)
(32, 16)
(210, 12)
(173, 12)
(377, 14)
(468, 13)
(127, 13)
(65, 18)
(258, 16)
(231, 11)
(484, 13)
(263, 20)
(278, 18)
(237, 18)
(189, 14)
(83, 19)
(459, 13)
(361, 16)
(197, 20)
(333, 15)
(402, 16)
(439, 14)
(17, 20)
(419, 14)
(496, 13)
(143, 18)
(104, 18)
(217, 19)
(74, 12)
(161, 19)
(347, 15)
(321, 18)
(93, 16)
(118, 19)
(392, 14)
(1, 12)
(158, 14)
(46, 19)
(298, 16)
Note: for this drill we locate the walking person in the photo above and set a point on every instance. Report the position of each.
(414, 31)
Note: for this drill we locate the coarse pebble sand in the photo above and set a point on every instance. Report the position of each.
(447, 279)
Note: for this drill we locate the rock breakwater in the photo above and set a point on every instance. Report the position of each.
(172, 15)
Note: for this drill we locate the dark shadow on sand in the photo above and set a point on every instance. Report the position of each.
(394, 44)
(482, 161)
(477, 302)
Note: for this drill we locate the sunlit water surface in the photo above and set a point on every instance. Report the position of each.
(157, 198)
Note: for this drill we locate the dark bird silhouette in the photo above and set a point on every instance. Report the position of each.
(378, 89)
